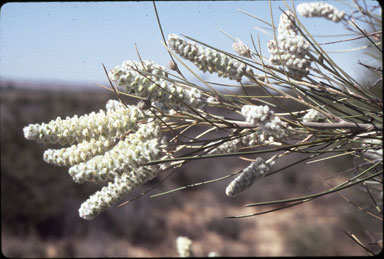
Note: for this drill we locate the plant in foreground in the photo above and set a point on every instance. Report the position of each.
(334, 115)
(184, 248)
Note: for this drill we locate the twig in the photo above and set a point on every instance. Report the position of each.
(321, 125)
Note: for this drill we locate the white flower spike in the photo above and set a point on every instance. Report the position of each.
(207, 59)
(129, 154)
(240, 48)
(163, 94)
(263, 116)
(291, 48)
(184, 246)
(115, 191)
(251, 174)
(112, 124)
(320, 9)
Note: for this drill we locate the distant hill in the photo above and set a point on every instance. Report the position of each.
(8, 84)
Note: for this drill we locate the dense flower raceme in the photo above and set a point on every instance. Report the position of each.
(184, 246)
(213, 254)
(111, 124)
(207, 59)
(113, 105)
(320, 9)
(248, 176)
(123, 167)
(234, 144)
(77, 153)
(128, 154)
(83, 151)
(271, 131)
(240, 48)
(115, 191)
(163, 94)
(290, 49)
(113, 146)
(248, 140)
(263, 116)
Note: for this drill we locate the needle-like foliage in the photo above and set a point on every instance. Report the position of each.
(309, 105)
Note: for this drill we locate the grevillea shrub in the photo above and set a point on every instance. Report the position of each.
(125, 146)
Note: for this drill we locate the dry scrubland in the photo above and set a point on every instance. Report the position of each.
(39, 202)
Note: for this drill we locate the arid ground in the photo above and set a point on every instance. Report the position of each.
(40, 202)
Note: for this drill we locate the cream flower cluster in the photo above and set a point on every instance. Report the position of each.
(263, 116)
(85, 150)
(111, 124)
(291, 48)
(213, 254)
(128, 74)
(77, 153)
(313, 115)
(207, 59)
(155, 88)
(271, 127)
(128, 154)
(113, 105)
(184, 246)
(123, 167)
(320, 9)
(247, 177)
(240, 48)
(258, 137)
(115, 191)
(235, 144)
(112, 146)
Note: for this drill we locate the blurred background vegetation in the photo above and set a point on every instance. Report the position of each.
(39, 202)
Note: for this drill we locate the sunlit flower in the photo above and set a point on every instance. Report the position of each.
(184, 246)
(112, 124)
(115, 191)
(241, 49)
(266, 119)
(131, 75)
(207, 59)
(128, 154)
(247, 177)
(77, 153)
(320, 9)
(290, 49)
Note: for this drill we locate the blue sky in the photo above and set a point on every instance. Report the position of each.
(68, 41)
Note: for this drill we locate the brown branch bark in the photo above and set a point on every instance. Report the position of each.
(322, 125)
